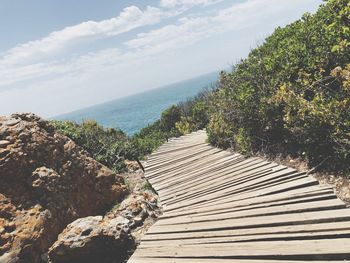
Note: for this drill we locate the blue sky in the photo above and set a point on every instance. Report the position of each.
(57, 56)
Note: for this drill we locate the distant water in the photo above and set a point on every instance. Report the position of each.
(135, 112)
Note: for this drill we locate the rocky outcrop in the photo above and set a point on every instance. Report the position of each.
(46, 182)
(108, 239)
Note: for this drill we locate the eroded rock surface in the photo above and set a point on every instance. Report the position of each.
(46, 182)
(108, 239)
(93, 239)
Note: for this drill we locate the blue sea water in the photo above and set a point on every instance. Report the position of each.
(135, 112)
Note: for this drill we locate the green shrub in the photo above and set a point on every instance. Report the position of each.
(169, 118)
(147, 186)
(108, 146)
(291, 95)
(185, 125)
(219, 131)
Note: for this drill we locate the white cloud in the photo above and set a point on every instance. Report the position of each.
(186, 32)
(130, 18)
(39, 58)
(186, 3)
(49, 46)
(189, 30)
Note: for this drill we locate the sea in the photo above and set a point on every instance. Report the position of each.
(132, 113)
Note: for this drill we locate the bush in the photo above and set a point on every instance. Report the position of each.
(291, 95)
(109, 146)
(169, 118)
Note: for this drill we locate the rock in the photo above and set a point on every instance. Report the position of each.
(4, 152)
(93, 239)
(138, 207)
(132, 166)
(46, 182)
(111, 238)
(4, 143)
(137, 221)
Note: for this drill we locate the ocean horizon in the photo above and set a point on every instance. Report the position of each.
(134, 112)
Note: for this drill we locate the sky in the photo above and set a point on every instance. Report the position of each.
(57, 56)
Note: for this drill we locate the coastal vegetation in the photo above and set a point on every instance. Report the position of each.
(290, 97)
(108, 146)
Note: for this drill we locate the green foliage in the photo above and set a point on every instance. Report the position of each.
(291, 94)
(147, 186)
(169, 118)
(200, 114)
(149, 139)
(219, 131)
(185, 125)
(108, 146)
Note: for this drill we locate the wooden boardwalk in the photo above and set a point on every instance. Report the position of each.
(222, 207)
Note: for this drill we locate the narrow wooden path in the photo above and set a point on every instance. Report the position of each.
(222, 207)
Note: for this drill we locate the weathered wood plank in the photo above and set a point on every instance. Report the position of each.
(257, 232)
(275, 210)
(258, 221)
(336, 248)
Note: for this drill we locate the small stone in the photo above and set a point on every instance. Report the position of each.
(11, 122)
(10, 227)
(44, 257)
(138, 220)
(4, 152)
(4, 143)
(6, 236)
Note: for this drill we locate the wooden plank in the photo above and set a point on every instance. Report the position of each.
(171, 164)
(158, 163)
(243, 232)
(331, 234)
(263, 201)
(247, 179)
(303, 249)
(275, 210)
(230, 196)
(187, 166)
(204, 178)
(259, 221)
